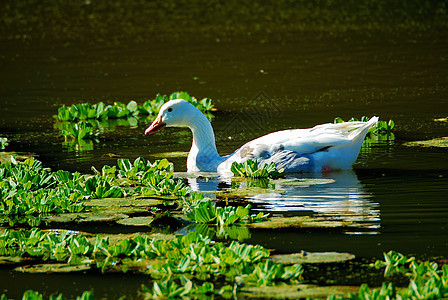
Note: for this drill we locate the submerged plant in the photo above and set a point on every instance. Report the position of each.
(250, 168)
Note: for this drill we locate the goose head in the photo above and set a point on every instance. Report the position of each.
(174, 113)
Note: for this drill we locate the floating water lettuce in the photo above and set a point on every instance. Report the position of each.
(427, 279)
(86, 111)
(209, 213)
(100, 111)
(382, 128)
(28, 188)
(250, 168)
(3, 143)
(441, 120)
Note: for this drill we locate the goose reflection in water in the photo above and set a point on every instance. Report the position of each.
(345, 199)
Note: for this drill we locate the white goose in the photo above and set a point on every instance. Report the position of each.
(321, 148)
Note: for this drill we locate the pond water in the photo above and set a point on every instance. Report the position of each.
(396, 195)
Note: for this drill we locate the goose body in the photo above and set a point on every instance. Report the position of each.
(322, 147)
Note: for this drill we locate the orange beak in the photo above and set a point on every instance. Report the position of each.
(155, 126)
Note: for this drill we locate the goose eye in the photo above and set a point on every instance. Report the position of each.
(170, 109)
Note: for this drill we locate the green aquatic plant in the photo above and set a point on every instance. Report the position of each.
(381, 127)
(192, 254)
(86, 111)
(100, 111)
(441, 120)
(168, 289)
(26, 188)
(3, 143)
(209, 213)
(250, 168)
(152, 107)
(205, 105)
(382, 131)
(156, 178)
(394, 262)
(268, 272)
(35, 295)
(102, 187)
(28, 175)
(140, 168)
(427, 279)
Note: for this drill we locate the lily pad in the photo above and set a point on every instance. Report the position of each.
(62, 218)
(134, 265)
(99, 217)
(11, 260)
(169, 154)
(302, 181)
(437, 142)
(311, 257)
(116, 238)
(136, 221)
(302, 222)
(245, 193)
(86, 217)
(52, 268)
(298, 291)
(124, 202)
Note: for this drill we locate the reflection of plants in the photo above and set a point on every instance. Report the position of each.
(79, 131)
(250, 168)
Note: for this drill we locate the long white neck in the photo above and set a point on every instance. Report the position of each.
(203, 155)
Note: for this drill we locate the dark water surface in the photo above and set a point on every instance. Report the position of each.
(397, 195)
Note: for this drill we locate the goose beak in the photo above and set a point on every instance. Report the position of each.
(155, 126)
